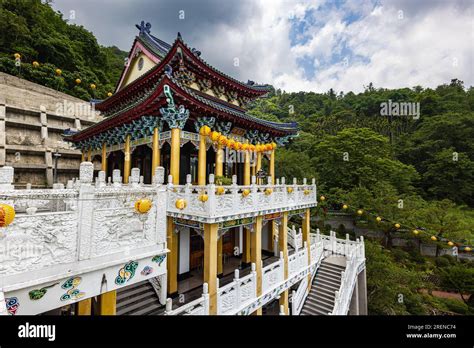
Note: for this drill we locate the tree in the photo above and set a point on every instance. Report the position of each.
(459, 278)
(359, 157)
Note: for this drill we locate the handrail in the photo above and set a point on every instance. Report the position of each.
(199, 306)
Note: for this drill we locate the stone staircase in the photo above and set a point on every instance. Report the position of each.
(138, 299)
(320, 300)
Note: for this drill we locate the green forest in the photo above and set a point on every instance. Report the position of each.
(47, 42)
(415, 172)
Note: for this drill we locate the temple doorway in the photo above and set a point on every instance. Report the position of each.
(141, 159)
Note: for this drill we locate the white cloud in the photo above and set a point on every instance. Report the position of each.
(430, 45)
(424, 46)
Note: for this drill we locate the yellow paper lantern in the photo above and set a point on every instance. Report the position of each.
(238, 146)
(205, 130)
(434, 238)
(36, 64)
(378, 218)
(322, 198)
(223, 140)
(268, 191)
(252, 147)
(245, 192)
(397, 226)
(17, 55)
(220, 190)
(345, 206)
(109, 94)
(245, 147)
(450, 243)
(215, 136)
(180, 204)
(289, 189)
(231, 143)
(467, 249)
(7, 215)
(93, 86)
(203, 197)
(58, 72)
(416, 232)
(78, 81)
(269, 147)
(360, 212)
(142, 206)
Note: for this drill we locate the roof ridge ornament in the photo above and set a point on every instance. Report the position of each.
(168, 70)
(144, 27)
(179, 36)
(176, 118)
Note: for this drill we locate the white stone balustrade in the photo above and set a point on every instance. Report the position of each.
(230, 202)
(199, 306)
(273, 274)
(237, 293)
(60, 233)
(295, 239)
(355, 263)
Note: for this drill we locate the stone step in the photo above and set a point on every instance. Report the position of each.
(323, 279)
(317, 307)
(327, 292)
(332, 266)
(151, 310)
(150, 302)
(322, 302)
(323, 296)
(330, 272)
(133, 299)
(306, 311)
(136, 291)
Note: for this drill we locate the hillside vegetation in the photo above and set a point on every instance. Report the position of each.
(40, 34)
(417, 171)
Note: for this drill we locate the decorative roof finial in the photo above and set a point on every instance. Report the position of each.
(179, 36)
(168, 70)
(144, 28)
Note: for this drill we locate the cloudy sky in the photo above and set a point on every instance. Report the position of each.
(299, 45)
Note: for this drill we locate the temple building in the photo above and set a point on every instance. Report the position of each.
(220, 224)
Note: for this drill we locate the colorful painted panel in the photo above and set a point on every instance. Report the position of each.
(126, 273)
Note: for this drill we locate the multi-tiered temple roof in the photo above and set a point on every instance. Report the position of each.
(194, 84)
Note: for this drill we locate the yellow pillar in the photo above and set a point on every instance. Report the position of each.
(283, 247)
(202, 161)
(83, 156)
(246, 246)
(127, 166)
(246, 232)
(108, 303)
(220, 266)
(259, 166)
(89, 154)
(172, 264)
(210, 264)
(219, 161)
(104, 157)
(84, 307)
(247, 169)
(306, 230)
(175, 154)
(155, 158)
(256, 255)
(272, 166)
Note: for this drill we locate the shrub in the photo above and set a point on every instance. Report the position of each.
(442, 262)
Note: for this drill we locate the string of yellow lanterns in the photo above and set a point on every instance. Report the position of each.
(219, 138)
(58, 72)
(397, 225)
